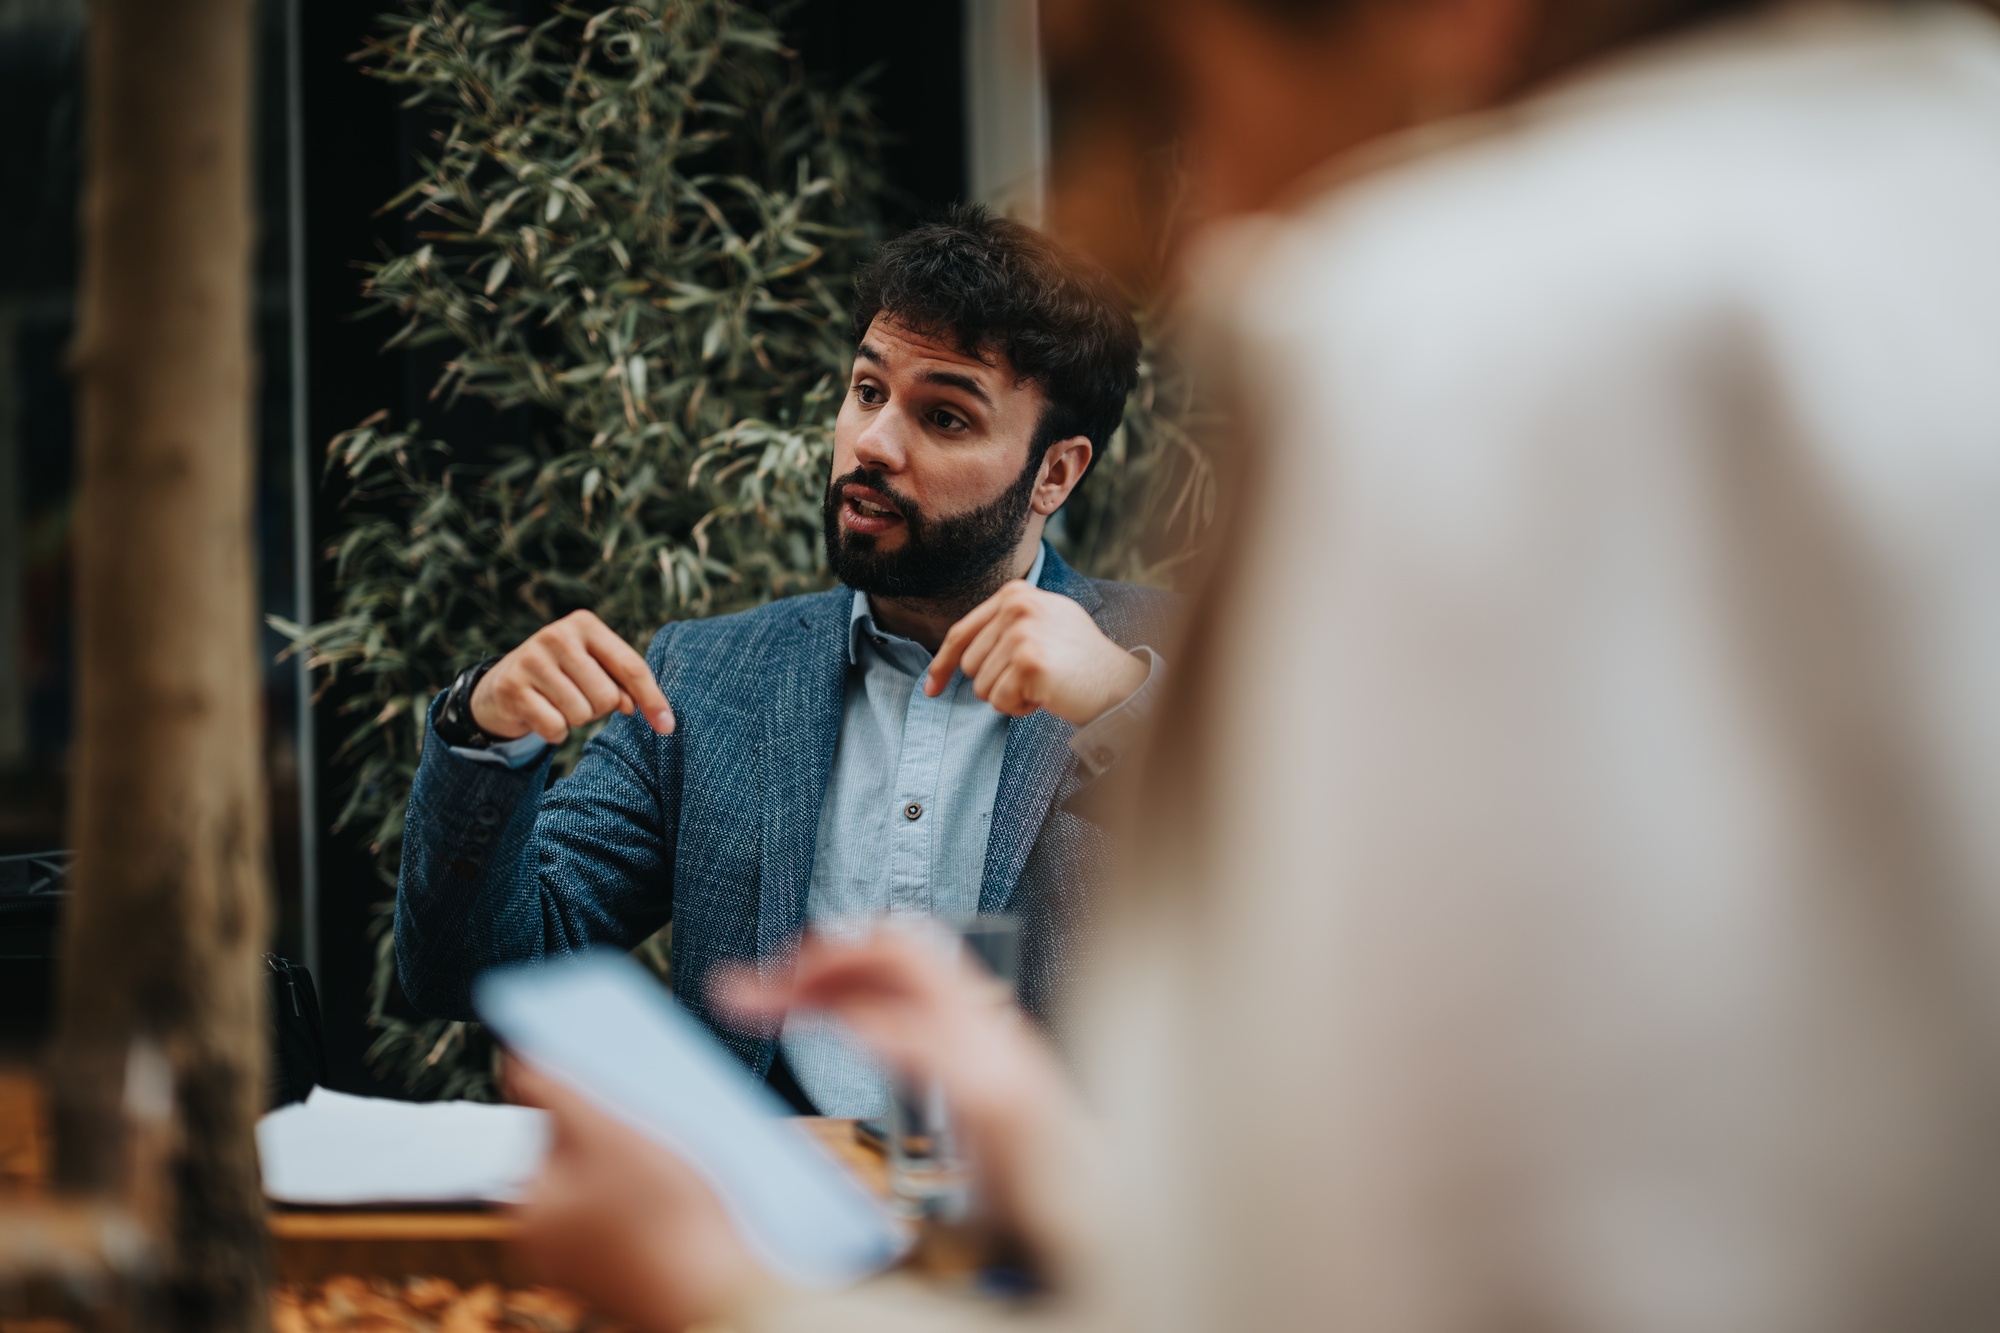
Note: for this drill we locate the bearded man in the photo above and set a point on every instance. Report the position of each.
(908, 744)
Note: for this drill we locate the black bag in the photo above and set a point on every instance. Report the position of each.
(298, 1041)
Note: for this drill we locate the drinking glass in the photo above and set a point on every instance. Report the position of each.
(927, 1173)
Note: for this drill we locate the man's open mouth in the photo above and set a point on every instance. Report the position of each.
(866, 510)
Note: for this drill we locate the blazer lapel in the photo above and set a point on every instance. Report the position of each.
(1037, 757)
(801, 727)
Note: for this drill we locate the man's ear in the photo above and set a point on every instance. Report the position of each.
(1063, 467)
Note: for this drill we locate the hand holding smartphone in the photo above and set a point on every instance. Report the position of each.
(602, 1025)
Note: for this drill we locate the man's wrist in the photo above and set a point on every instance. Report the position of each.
(1121, 684)
(455, 725)
(517, 753)
(1134, 672)
(1099, 742)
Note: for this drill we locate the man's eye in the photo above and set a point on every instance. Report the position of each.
(868, 393)
(947, 421)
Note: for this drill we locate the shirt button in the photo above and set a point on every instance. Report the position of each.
(912, 810)
(487, 814)
(1102, 754)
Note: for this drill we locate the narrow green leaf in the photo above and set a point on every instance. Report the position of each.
(498, 209)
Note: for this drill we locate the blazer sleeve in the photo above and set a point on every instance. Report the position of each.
(499, 867)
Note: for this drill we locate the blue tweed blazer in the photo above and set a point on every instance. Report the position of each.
(714, 827)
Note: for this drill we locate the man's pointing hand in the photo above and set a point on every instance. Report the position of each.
(1025, 649)
(571, 672)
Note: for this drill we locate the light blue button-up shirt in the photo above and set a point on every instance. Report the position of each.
(903, 829)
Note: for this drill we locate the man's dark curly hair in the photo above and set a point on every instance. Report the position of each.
(998, 286)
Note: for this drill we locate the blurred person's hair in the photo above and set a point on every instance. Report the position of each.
(1564, 31)
(990, 286)
(1117, 190)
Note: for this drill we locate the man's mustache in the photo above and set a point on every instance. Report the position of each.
(877, 483)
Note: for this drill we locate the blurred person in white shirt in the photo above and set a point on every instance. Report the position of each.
(1587, 916)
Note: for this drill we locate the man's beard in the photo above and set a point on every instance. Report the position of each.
(952, 563)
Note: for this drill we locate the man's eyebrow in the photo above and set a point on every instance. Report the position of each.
(955, 381)
(949, 379)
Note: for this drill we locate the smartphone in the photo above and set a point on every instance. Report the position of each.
(601, 1024)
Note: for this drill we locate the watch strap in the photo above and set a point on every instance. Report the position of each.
(454, 724)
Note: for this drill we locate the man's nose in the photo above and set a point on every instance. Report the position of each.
(882, 445)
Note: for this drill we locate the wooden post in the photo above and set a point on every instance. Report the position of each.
(167, 917)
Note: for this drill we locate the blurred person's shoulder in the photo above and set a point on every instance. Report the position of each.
(1787, 147)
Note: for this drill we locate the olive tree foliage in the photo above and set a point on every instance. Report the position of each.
(636, 227)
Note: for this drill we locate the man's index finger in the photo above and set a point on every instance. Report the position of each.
(629, 669)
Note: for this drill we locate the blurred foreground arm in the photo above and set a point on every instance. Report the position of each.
(931, 1014)
(624, 1222)
(636, 1231)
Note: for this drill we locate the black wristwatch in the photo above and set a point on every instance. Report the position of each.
(455, 726)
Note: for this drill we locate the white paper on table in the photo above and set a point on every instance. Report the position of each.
(604, 1026)
(334, 1149)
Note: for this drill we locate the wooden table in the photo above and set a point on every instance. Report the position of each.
(310, 1245)
(468, 1246)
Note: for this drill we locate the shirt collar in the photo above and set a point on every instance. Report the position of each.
(861, 619)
